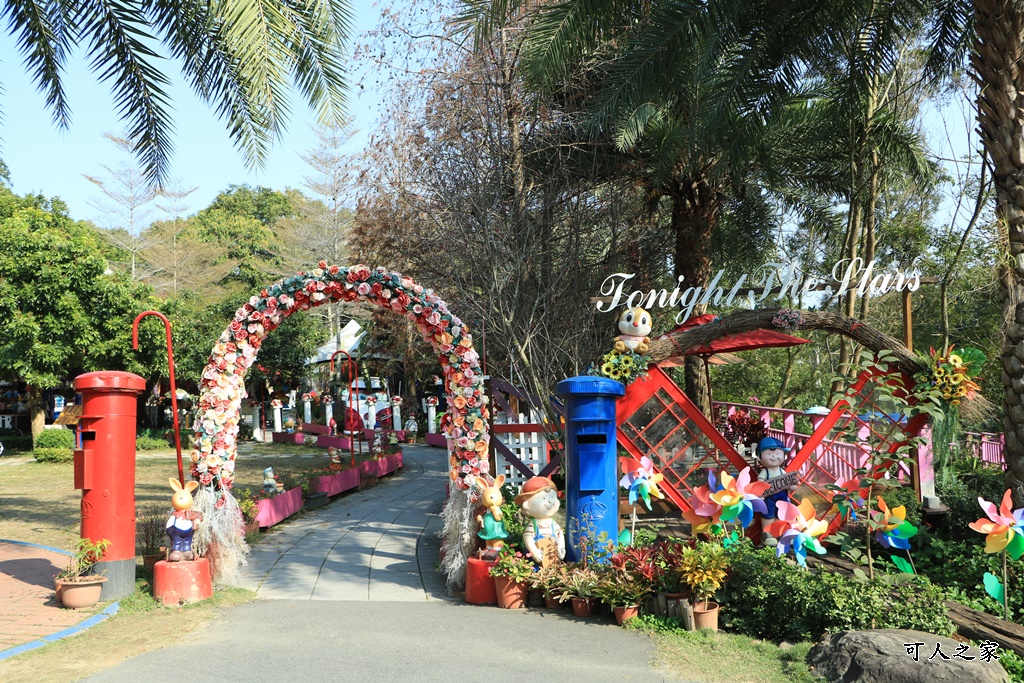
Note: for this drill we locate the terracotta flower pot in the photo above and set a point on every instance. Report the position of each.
(252, 528)
(535, 598)
(705, 615)
(552, 603)
(149, 560)
(511, 594)
(82, 593)
(581, 607)
(624, 614)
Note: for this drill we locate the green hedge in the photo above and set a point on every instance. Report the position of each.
(53, 454)
(145, 443)
(56, 437)
(767, 598)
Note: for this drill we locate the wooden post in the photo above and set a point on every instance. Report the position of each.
(908, 321)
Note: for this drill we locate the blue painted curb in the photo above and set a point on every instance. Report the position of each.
(36, 545)
(110, 611)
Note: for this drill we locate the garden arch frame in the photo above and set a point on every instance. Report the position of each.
(222, 390)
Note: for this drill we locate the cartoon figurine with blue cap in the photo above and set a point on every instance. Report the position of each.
(772, 453)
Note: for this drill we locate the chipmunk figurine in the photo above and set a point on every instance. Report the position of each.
(634, 326)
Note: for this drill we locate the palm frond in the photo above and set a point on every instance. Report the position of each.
(116, 36)
(42, 34)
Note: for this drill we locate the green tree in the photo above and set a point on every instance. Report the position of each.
(239, 57)
(62, 310)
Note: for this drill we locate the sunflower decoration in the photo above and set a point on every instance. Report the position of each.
(622, 367)
(953, 374)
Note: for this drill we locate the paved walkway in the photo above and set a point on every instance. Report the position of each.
(377, 544)
(28, 610)
(350, 592)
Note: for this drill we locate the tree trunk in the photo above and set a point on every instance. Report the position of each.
(694, 214)
(37, 413)
(998, 62)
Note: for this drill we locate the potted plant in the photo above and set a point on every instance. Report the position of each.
(549, 583)
(510, 573)
(150, 531)
(703, 569)
(623, 592)
(578, 586)
(76, 586)
(249, 509)
(315, 498)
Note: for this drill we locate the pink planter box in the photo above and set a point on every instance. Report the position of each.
(285, 437)
(341, 442)
(280, 507)
(333, 484)
(313, 428)
(437, 440)
(379, 468)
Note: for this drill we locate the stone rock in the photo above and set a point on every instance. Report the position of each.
(881, 656)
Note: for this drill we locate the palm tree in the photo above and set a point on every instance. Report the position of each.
(704, 101)
(239, 57)
(998, 63)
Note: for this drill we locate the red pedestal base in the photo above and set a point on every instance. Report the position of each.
(178, 582)
(479, 583)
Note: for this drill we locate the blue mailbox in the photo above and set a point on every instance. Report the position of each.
(591, 470)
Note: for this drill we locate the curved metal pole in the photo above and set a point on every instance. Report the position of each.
(353, 390)
(170, 369)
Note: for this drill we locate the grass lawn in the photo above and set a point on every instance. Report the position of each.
(38, 503)
(725, 657)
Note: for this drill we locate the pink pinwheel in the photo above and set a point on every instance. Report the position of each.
(1005, 530)
(740, 498)
(640, 480)
(797, 528)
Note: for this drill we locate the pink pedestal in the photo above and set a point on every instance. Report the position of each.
(178, 582)
(281, 506)
(285, 437)
(334, 484)
(341, 442)
(437, 440)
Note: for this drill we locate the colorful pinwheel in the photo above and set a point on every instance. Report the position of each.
(1003, 527)
(892, 530)
(640, 480)
(1004, 534)
(705, 515)
(846, 497)
(798, 528)
(740, 498)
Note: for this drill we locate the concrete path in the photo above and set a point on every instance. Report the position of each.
(350, 592)
(378, 544)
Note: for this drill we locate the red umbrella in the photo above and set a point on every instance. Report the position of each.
(744, 341)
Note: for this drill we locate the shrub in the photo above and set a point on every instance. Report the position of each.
(56, 437)
(53, 454)
(763, 587)
(145, 443)
(960, 495)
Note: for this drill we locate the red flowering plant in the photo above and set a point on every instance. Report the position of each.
(512, 565)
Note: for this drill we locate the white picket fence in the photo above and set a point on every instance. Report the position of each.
(530, 447)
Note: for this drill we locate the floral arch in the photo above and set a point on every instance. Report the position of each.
(222, 390)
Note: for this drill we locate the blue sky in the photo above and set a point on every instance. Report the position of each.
(50, 161)
(44, 159)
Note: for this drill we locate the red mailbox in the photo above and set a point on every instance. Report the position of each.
(105, 471)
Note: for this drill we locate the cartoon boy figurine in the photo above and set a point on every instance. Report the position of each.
(772, 454)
